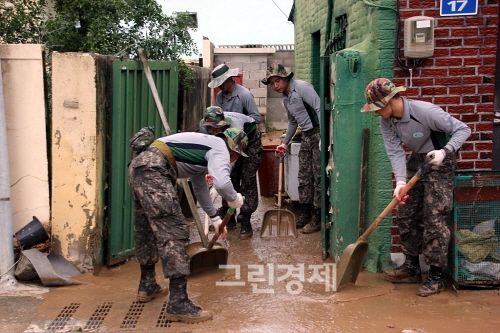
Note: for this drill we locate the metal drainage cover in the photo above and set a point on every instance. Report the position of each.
(106, 317)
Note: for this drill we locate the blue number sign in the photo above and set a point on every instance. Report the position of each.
(458, 7)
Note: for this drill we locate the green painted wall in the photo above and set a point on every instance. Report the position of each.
(369, 53)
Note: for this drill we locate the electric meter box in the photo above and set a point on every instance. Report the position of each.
(419, 37)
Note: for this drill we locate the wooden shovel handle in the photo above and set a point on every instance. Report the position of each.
(280, 180)
(229, 212)
(152, 86)
(395, 200)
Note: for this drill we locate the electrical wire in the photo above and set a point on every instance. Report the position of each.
(416, 62)
(279, 8)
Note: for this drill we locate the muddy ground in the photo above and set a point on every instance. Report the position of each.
(274, 284)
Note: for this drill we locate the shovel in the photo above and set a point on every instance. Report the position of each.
(354, 254)
(281, 221)
(209, 255)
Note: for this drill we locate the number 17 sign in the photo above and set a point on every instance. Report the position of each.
(458, 7)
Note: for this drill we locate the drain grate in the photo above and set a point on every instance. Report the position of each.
(98, 316)
(162, 321)
(63, 317)
(133, 315)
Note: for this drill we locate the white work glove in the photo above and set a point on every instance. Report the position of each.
(437, 156)
(280, 150)
(216, 222)
(237, 203)
(397, 191)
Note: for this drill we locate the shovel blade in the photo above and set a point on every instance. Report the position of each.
(202, 259)
(351, 262)
(278, 222)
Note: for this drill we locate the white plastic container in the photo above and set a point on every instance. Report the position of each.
(292, 171)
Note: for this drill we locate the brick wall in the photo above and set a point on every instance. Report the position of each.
(459, 77)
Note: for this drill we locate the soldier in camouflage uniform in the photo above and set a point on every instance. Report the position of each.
(425, 129)
(302, 105)
(161, 231)
(244, 173)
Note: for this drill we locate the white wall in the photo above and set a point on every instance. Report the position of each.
(22, 70)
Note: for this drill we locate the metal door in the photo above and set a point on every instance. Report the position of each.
(133, 108)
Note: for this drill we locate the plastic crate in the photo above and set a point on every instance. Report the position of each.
(475, 254)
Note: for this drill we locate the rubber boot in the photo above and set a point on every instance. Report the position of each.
(315, 224)
(246, 226)
(305, 216)
(148, 288)
(433, 284)
(408, 272)
(180, 308)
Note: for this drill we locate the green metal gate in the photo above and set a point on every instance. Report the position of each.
(133, 108)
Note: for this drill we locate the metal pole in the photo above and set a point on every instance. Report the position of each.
(6, 249)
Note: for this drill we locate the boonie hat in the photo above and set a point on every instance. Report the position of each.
(378, 93)
(220, 74)
(214, 116)
(276, 70)
(236, 140)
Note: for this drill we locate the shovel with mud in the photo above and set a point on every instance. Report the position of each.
(353, 256)
(279, 222)
(205, 255)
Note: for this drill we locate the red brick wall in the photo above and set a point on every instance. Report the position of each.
(459, 77)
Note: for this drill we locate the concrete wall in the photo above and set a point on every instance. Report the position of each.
(252, 61)
(77, 157)
(276, 114)
(23, 86)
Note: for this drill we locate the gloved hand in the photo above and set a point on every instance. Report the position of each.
(280, 150)
(397, 191)
(216, 222)
(209, 179)
(437, 156)
(237, 203)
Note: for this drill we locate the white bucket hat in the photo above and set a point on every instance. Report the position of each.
(220, 74)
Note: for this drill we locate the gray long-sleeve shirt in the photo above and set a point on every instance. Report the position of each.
(240, 101)
(302, 106)
(414, 130)
(197, 154)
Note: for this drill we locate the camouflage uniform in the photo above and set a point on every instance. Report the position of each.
(161, 231)
(428, 132)
(309, 172)
(422, 220)
(302, 106)
(244, 172)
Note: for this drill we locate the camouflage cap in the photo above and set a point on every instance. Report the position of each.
(276, 70)
(214, 117)
(236, 140)
(378, 93)
(142, 139)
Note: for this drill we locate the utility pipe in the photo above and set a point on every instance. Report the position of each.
(6, 250)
